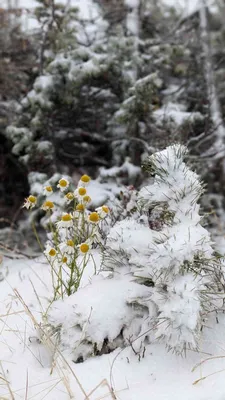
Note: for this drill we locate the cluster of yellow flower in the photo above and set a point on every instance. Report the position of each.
(75, 232)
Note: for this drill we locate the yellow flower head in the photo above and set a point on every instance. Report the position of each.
(63, 184)
(64, 259)
(102, 211)
(85, 178)
(84, 248)
(48, 205)
(52, 252)
(48, 190)
(82, 191)
(80, 207)
(66, 221)
(30, 202)
(66, 218)
(69, 197)
(87, 199)
(93, 218)
(32, 199)
(67, 247)
(79, 193)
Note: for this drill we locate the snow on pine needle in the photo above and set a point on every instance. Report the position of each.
(161, 276)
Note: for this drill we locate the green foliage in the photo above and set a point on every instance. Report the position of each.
(58, 25)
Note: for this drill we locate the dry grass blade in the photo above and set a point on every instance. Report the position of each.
(60, 362)
(7, 382)
(203, 361)
(102, 383)
(35, 385)
(26, 393)
(49, 390)
(12, 313)
(207, 376)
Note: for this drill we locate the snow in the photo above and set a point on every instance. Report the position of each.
(175, 113)
(43, 83)
(26, 362)
(43, 341)
(89, 10)
(107, 308)
(133, 17)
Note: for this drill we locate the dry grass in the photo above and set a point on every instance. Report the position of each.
(212, 373)
(59, 363)
(65, 373)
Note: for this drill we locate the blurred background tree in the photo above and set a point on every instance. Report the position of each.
(86, 91)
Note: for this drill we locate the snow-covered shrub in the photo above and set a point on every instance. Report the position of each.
(72, 233)
(161, 274)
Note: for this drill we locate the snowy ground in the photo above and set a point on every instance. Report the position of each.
(30, 370)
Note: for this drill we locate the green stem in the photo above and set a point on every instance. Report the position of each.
(36, 236)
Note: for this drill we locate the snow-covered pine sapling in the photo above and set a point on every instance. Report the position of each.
(72, 236)
(173, 252)
(163, 275)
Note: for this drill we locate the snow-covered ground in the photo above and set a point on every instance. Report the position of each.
(31, 370)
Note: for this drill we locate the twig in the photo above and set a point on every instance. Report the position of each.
(7, 382)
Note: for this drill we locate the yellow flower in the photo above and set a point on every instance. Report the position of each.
(30, 202)
(93, 218)
(64, 259)
(32, 199)
(84, 248)
(50, 253)
(67, 247)
(82, 191)
(86, 199)
(84, 180)
(48, 190)
(48, 205)
(79, 193)
(80, 207)
(69, 197)
(65, 222)
(103, 211)
(66, 218)
(63, 184)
